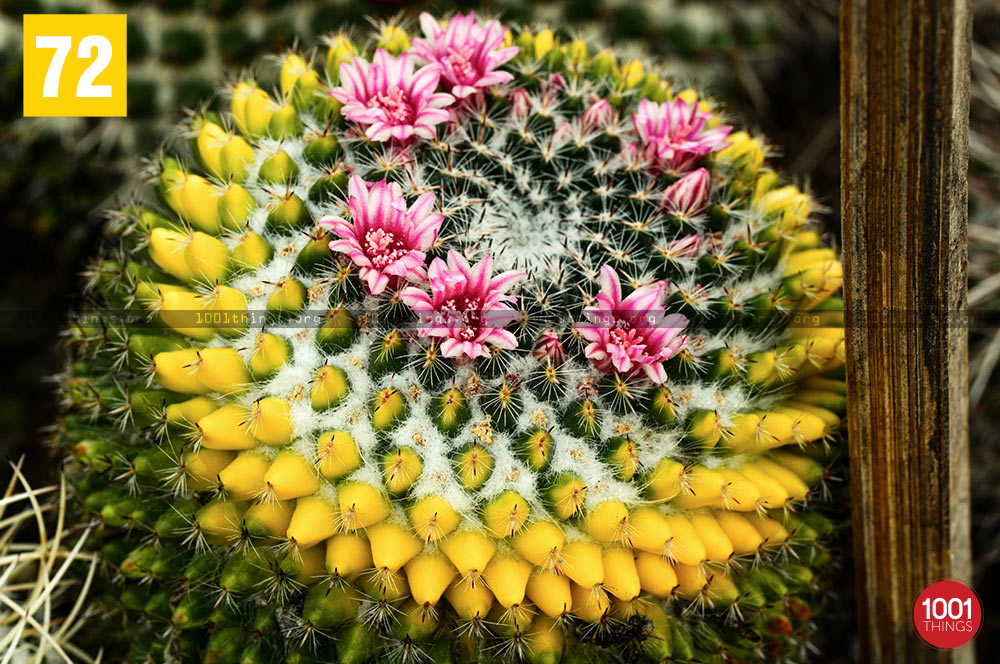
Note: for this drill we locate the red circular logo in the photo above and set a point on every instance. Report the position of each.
(947, 614)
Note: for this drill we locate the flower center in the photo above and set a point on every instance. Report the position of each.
(395, 106)
(461, 63)
(383, 247)
(624, 337)
(469, 308)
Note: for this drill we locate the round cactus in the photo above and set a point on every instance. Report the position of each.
(466, 344)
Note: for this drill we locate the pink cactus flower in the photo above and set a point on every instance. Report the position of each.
(631, 336)
(687, 197)
(685, 247)
(467, 307)
(556, 81)
(674, 134)
(598, 115)
(520, 104)
(384, 239)
(467, 51)
(549, 347)
(393, 100)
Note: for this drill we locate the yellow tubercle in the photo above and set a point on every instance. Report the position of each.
(185, 312)
(656, 575)
(207, 258)
(690, 581)
(226, 429)
(222, 370)
(168, 248)
(291, 476)
(620, 576)
(632, 73)
(269, 518)
(313, 521)
(221, 521)
(243, 478)
(738, 493)
(200, 201)
(505, 514)
(234, 159)
(772, 530)
(209, 143)
(474, 466)
(718, 548)
(203, 467)
(257, 114)
(547, 641)
(269, 353)
(309, 564)
(469, 551)
(550, 592)
(388, 409)
(567, 496)
(469, 600)
(583, 563)
(329, 387)
(177, 371)
(685, 546)
(507, 578)
(190, 411)
(292, 67)
(702, 486)
(270, 421)
(348, 555)
(744, 538)
(336, 454)
(429, 575)
(392, 546)
(540, 543)
(433, 518)
(772, 493)
(608, 522)
(228, 308)
(792, 483)
(361, 505)
(666, 480)
(590, 603)
(649, 530)
(401, 467)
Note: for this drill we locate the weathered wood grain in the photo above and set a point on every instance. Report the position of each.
(904, 160)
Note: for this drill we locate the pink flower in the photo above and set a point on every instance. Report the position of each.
(631, 336)
(467, 51)
(386, 240)
(392, 99)
(467, 306)
(674, 135)
(598, 115)
(549, 347)
(520, 104)
(685, 247)
(686, 197)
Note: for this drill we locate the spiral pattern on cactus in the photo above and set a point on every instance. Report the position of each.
(471, 345)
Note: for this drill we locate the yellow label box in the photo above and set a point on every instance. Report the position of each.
(74, 65)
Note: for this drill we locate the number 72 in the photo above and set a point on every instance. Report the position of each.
(62, 44)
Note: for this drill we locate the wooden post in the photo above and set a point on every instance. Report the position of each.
(904, 160)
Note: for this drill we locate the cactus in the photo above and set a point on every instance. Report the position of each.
(460, 343)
